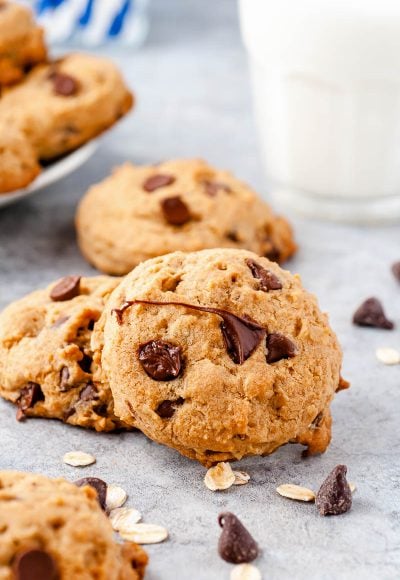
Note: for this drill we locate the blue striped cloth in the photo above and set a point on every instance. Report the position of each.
(93, 22)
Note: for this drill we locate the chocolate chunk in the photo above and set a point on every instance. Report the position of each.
(235, 545)
(396, 270)
(175, 211)
(101, 410)
(85, 363)
(162, 361)
(99, 485)
(279, 346)
(88, 393)
(66, 289)
(64, 85)
(334, 496)
(241, 334)
(64, 379)
(34, 565)
(371, 313)
(167, 408)
(233, 236)
(29, 396)
(268, 280)
(213, 187)
(156, 181)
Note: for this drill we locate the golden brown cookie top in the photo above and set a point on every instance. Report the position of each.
(140, 212)
(59, 528)
(218, 353)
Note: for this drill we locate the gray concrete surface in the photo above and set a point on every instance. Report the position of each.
(191, 81)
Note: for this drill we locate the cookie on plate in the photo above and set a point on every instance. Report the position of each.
(21, 42)
(18, 162)
(219, 354)
(61, 105)
(140, 212)
(51, 529)
(46, 361)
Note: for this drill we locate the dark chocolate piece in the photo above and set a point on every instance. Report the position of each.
(334, 496)
(162, 361)
(236, 545)
(268, 280)
(371, 313)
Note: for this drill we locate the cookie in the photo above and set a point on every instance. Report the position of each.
(60, 106)
(51, 529)
(219, 354)
(18, 163)
(21, 42)
(140, 212)
(46, 361)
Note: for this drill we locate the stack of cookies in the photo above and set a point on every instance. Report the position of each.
(218, 353)
(49, 108)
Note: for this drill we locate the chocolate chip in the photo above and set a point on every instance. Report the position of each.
(156, 181)
(241, 334)
(64, 85)
(66, 289)
(64, 379)
(29, 396)
(279, 347)
(371, 313)
(101, 410)
(268, 280)
(88, 393)
(233, 236)
(175, 211)
(213, 187)
(162, 361)
(85, 363)
(167, 408)
(334, 496)
(91, 324)
(235, 545)
(396, 270)
(34, 565)
(99, 485)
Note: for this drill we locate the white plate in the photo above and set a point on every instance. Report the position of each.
(52, 173)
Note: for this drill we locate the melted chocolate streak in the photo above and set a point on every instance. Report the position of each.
(241, 335)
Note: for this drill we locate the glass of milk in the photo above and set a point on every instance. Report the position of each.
(326, 83)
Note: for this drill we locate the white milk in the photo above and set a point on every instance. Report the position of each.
(326, 77)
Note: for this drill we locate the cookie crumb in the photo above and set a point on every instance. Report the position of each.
(297, 492)
(78, 458)
(219, 477)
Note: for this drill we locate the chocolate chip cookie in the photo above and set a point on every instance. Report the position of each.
(219, 354)
(21, 42)
(51, 529)
(142, 212)
(18, 162)
(46, 361)
(61, 105)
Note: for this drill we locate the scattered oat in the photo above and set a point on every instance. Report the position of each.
(241, 478)
(144, 534)
(116, 496)
(296, 492)
(78, 458)
(219, 477)
(388, 356)
(122, 519)
(352, 487)
(245, 572)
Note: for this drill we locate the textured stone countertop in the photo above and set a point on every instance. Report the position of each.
(193, 99)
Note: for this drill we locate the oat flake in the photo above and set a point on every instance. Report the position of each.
(78, 458)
